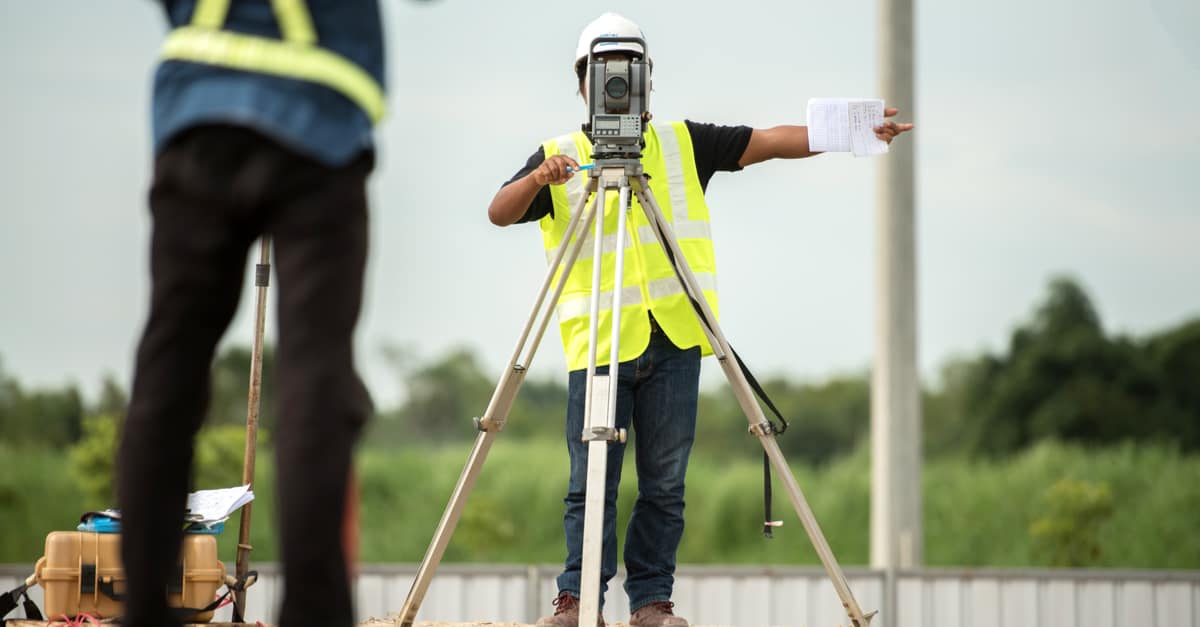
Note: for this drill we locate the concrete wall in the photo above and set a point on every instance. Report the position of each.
(753, 596)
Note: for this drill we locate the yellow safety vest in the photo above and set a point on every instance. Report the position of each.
(296, 56)
(649, 283)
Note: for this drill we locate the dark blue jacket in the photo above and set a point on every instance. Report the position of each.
(311, 119)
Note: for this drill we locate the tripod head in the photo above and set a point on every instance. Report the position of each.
(618, 95)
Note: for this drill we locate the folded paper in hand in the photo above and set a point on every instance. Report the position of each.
(845, 125)
(207, 507)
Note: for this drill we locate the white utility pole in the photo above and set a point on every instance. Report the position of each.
(896, 533)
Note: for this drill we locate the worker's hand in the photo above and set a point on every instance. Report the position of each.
(553, 171)
(889, 130)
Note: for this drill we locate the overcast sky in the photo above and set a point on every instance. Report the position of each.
(1053, 136)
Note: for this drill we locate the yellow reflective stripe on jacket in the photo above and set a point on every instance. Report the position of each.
(575, 186)
(675, 181)
(649, 283)
(295, 24)
(691, 229)
(296, 56)
(210, 13)
(294, 21)
(631, 295)
(580, 306)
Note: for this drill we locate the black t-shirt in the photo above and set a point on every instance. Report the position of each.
(715, 149)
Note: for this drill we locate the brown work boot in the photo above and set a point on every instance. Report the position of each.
(566, 613)
(656, 614)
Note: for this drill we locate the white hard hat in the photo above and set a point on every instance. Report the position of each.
(608, 25)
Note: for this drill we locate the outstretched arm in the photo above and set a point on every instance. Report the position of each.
(791, 142)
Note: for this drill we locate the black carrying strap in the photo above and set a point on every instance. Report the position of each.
(31, 608)
(775, 429)
(750, 378)
(241, 584)
(10, 600)
(184, 612)
(767, 532)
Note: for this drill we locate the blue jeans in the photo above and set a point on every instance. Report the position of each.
(656, 401)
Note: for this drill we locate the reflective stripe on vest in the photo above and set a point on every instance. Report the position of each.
(631, 295)
(295, 56)
(691, 229)
(649, 283)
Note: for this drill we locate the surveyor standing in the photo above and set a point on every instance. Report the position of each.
(262, 116)
(660, 339)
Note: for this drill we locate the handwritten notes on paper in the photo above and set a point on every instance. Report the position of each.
(212, 506)
(828, 125)
(845, 125)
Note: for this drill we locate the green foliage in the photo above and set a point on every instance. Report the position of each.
(37, 495)
(93, 461)
(55, 416)
(1068, 531)
(218, 459)
(1174, 357)
(997, 428)
(826, 420)
(976, 513)
(442, 397)
(540, 409)
(51, 416)
(220, 454)
(1063, 378)
(231, 385)
(113, 399)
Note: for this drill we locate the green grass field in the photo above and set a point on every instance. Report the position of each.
(976, 513)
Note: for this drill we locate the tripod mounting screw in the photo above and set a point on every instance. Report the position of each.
(606, 434)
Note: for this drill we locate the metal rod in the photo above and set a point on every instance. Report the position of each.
(593, 530)
(597, 468)
(497, 412)
(614, 358)
(262, 278)
(594, 310)
(597, 462)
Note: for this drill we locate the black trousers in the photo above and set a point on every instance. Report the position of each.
(215, 190)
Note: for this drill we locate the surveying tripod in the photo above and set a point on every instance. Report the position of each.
(627, 177)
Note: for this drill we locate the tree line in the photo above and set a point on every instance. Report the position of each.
(1060, 377)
